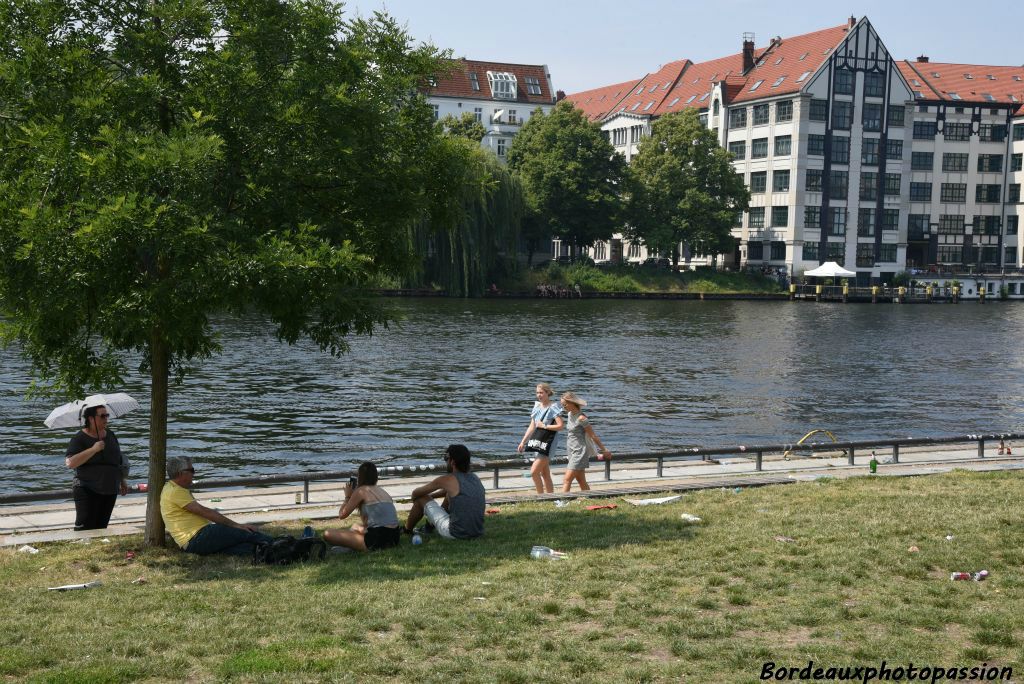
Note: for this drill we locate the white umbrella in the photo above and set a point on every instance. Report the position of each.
(70, 415)
(830, 269)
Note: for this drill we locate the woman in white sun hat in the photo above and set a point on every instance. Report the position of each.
(581, 442)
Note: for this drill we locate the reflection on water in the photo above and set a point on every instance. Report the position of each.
(660, 375)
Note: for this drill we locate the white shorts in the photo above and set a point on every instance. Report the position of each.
(439, 518)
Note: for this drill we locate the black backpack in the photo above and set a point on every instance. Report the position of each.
(286, 549)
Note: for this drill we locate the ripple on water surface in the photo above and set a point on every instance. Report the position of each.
(659, 376)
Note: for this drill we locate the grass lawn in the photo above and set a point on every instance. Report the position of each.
(642, 597)
(634, 279)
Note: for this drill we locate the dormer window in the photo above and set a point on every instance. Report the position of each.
(474, 80)
(503, 85)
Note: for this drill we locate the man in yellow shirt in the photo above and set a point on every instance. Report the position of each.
(196, 528)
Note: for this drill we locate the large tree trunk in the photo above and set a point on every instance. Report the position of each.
(159, 371)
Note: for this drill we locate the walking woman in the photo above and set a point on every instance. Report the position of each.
(380, 519)
(580, 441)
(101, 470)
(546, 415)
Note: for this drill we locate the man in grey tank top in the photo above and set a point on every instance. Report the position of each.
(461, 516)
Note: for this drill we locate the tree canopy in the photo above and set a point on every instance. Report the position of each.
(165, 160)
(684, 190)
(572, 178)
(466, 126)
(472, 227)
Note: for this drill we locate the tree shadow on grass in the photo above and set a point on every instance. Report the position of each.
(508, 536)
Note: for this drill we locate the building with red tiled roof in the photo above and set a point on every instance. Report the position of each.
(964, 83)
(501, 97)
(596, 103)
(850, 155)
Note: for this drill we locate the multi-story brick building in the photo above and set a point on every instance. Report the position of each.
(500, 96)
(850, 155)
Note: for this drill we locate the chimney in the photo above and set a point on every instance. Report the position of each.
(748, 52)
(559, 95)
(851, 22)
(923, 59)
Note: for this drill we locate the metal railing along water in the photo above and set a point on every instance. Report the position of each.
(755, 452)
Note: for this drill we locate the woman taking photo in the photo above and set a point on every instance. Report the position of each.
(546, 415)
(380, 519)
(580, 441)
(100, 470)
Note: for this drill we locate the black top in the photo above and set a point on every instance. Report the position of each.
(467, 507)
(104, 471)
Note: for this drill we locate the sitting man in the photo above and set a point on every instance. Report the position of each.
(461, 516)
(196, 528)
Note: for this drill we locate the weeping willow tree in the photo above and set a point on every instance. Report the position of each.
(471, 229)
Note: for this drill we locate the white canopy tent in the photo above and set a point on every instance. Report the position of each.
(830, 269)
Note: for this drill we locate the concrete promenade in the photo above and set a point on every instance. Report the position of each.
(276, 505)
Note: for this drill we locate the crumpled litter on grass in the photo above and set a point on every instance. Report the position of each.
(655, 501)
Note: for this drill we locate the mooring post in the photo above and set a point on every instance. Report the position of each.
(757, 460)
(981, 448)
(305, 491)
(607, 468)
(895, 453)
(495, 478)
(661, 462)
(850, 457)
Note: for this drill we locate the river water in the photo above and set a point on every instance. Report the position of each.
(659, 375)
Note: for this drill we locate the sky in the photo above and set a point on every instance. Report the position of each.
(591, 43)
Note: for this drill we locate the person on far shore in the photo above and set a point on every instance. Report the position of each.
(380, 528)
(580, 441)
(196, 528)
(101, 470)
(546, 415)
(461, 516)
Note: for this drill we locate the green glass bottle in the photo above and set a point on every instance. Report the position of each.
(873, 463)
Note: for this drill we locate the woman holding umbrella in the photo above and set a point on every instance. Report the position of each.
(100, 469)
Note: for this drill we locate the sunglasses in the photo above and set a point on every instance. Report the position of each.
(104, 416)
(188, 470)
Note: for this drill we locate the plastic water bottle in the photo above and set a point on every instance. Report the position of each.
(540, 552)
(307, 532)
(417, 539)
